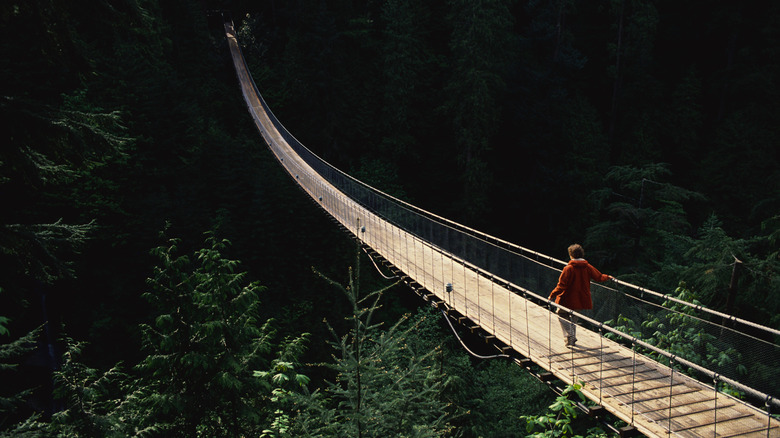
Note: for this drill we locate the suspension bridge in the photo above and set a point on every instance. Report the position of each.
(499, 290)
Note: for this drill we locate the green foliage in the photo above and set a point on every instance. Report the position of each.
(680, 333)
(284, 382)
(119, 116)
(203, 344)
(644, 218)
(382, 386)
(711, 263)
(494, 392)
(3, 322)
(12, 398)
(561, 419)
(99, 403)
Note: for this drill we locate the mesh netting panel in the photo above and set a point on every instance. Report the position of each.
(737, 350)
(731, 348)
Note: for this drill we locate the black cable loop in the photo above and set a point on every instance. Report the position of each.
(464, 345)
(377, 267)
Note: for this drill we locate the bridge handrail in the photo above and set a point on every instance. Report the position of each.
(756, 394)
(551, 261)
(716, 377)
(318, 163)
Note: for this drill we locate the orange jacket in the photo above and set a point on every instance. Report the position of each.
(573, 289)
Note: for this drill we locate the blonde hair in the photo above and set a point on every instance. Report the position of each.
(576, 251)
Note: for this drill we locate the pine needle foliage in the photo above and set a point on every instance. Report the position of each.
(382, 386)
(204, 344)
(98, 403)
(10, 354)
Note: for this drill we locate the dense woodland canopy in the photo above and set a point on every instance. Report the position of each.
(647, 130)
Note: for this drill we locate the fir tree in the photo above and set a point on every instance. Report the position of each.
(382, 386)
(13, 423)
(204, 344)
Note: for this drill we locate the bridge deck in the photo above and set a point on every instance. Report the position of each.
(650, 396)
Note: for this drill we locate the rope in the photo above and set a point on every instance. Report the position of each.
(464, 345)
(377, 267)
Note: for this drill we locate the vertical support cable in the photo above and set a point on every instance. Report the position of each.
(406, 252)
(633, 379)
(601, 360)
(493, 301)
(342, 213)
(419, 264)
(465, 298)
(433, 266)
(671, 389)
(715, 379)
(383, 236)
(571, 364)
(527, 324)
(768, 414)
(444, 278)
(393, 242)
(479, 306)
(549, 334)
(426, 273)
(509, 297)
(416, 268)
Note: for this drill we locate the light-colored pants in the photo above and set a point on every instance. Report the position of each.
(568, 323)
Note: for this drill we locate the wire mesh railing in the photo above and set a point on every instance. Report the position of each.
(739, 357)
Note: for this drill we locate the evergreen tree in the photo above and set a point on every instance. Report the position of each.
(98, 403)
(634, 116)
(480, 46)
(716, 262)
(382, 386)
(15, 419)
(644, 219)
(406, 58)
(204, 344)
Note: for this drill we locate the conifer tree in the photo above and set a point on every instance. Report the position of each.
(480, 45)
(97, 403)
(204, 344)
(382, 387)
(644, 219)
(12, 423)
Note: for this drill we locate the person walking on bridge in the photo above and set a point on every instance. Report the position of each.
(573, 290)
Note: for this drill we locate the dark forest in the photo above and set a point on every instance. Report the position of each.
(146, 226)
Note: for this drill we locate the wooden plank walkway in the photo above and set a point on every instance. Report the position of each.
(656, 400)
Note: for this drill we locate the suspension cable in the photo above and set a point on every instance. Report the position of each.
(478, 356)
(377, 267)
